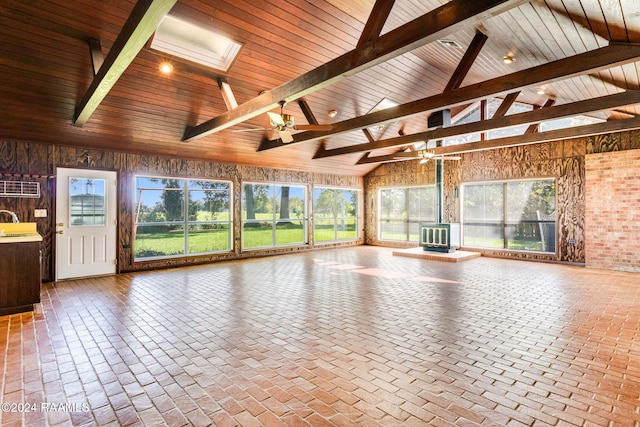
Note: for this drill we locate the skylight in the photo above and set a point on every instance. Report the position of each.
(382, 105)
(188, 41)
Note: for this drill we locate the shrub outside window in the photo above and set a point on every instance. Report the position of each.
(402, 210)
(335, 214)
(177, 217)
(517, 215)
(273, 215)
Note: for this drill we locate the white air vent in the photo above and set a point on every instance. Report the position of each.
(19, 189)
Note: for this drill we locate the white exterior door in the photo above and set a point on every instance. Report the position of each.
(85, 223)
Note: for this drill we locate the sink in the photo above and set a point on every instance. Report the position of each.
(9, 229)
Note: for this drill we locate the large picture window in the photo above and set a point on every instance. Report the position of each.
(518, 215)
(273, 215)
(177, 217)
(403, 209)
(335, 214)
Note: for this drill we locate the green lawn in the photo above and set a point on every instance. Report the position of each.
(154, 241)
(519, 244)
(168, 243)
(261, 235)
(172, 242)
(324, 232)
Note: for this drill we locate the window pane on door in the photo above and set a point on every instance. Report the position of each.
(87, 202)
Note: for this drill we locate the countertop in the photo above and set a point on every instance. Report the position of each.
(21, 239)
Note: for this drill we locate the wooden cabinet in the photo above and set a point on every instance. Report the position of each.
(19, 276)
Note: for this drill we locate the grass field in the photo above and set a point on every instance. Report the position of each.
(173, 242)
(168, 243)
(153, 240)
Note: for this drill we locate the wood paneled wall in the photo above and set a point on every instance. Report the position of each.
(563, 160)
(30, 161)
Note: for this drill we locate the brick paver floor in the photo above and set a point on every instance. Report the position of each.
(345, 337)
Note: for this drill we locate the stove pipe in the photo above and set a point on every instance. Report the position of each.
(439, 119)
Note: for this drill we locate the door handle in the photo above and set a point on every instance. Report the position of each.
(60, 224)
(60, 232)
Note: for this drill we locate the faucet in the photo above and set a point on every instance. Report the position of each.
(14, 217)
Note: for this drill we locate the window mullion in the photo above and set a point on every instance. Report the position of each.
(274, 220)
(505, 243)
(407, 195)
(185, 203)
(335, 214)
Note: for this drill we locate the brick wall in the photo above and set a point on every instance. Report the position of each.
(612, 210)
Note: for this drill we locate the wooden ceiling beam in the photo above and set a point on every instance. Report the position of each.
(367, 133)
(460, 72)
(526, 139)
(565, 110)
(97, 57)
(227, 94)
(610, 126)
(466, 62)
(306, 110)
(368, 159)
(140, 25)
(375, 23)
(603, 58)
(428, 28)
(506, 103)
(535, 127)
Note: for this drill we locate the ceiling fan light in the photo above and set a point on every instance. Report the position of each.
(288, 120)
(509, 59)
(426, 154)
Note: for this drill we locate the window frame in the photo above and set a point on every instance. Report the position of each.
(336, 218)
(274, 218)
(408, 220)
(185, 222)
(505, 223)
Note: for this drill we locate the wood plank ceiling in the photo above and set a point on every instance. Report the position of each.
(333, 54)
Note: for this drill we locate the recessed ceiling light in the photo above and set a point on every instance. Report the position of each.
(332, 113)
(541, 90)
(509, 59)
(166, 68)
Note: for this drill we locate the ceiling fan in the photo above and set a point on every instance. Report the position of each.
(283, 123)
(424, 155)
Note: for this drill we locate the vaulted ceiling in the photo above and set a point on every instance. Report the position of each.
(342, 55)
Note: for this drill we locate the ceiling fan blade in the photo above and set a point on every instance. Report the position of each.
(276, 119)
(407, 155)
(251, 130)
(285, 136)
(442, 157)
(313, 127)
